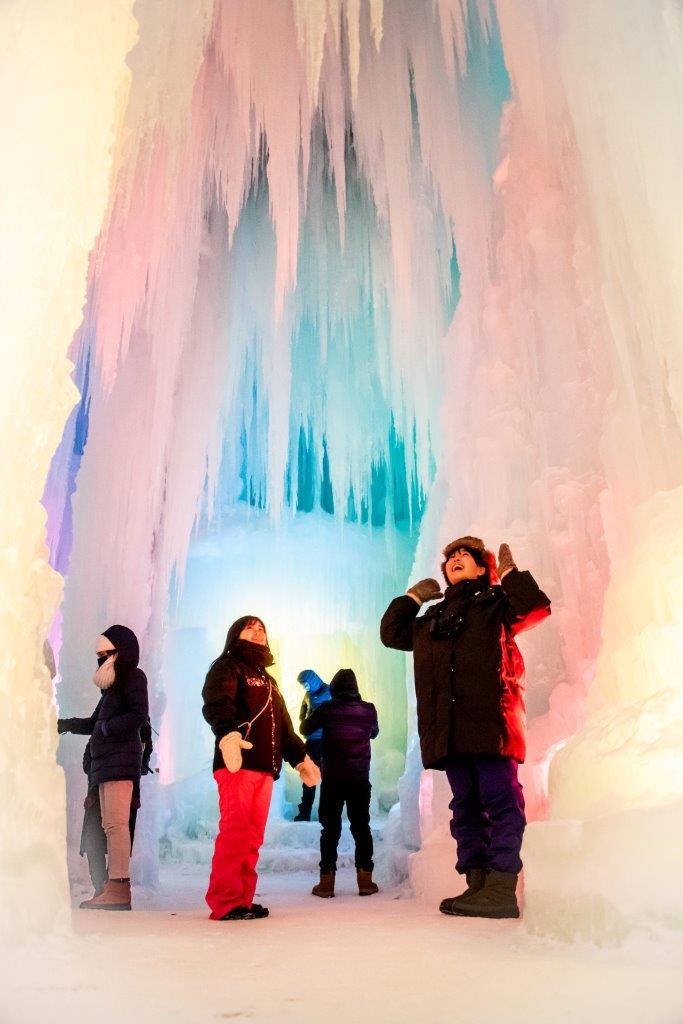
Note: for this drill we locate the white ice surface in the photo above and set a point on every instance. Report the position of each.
(62, 74)
(387, 958)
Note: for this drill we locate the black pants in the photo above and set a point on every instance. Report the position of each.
(334, 793)
(314, 751)
(94, 840)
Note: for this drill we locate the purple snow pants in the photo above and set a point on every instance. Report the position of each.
(488, 812)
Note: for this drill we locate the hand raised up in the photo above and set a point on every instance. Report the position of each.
(505, 561)
(425, 590)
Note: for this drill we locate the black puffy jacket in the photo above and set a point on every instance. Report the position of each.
(469, 673)
(236, 694)
(348, 724)
(114, 726)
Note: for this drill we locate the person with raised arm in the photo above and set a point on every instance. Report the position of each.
(471, 718)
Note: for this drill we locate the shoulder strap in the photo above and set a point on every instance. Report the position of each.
(269, 701)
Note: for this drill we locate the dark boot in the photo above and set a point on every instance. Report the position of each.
(366, 886)
(475, 881)
(258, 911)
(306, 805)
(497, 898)
(325, 887)
(240, 913)
(114, 896)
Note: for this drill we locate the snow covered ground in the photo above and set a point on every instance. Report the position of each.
(387, 958)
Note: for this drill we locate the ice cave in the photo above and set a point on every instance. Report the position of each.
(294, 293)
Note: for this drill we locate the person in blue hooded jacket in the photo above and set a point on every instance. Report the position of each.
(317, 694)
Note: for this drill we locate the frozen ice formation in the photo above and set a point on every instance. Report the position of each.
(62, 78)
(368, 274)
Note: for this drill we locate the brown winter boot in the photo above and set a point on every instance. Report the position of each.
(475, 881)
(325, 887)
(497, 898)
(114, 896)
(366, 886)
(98, 892)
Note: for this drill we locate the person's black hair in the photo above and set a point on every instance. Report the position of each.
(234, 634)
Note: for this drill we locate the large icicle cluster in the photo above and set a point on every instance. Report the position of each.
(338, 231)
(277, 266)
(62, 76)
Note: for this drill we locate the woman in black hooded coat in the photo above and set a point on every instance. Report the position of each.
(116, 753)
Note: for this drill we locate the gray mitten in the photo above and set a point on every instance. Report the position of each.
(505, 561)
(425, 590)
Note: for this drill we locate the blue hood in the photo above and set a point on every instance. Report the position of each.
(310, 680)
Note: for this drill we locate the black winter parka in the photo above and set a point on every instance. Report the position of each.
(114, 726)
(469, 673)
(236, 694)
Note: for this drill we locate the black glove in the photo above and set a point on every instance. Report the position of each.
(62, 725)
(425, 590)
(505, 561)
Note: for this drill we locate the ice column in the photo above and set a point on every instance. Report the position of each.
(606, 862)
(61, 80)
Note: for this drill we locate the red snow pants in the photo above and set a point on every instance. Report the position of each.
(244, 801)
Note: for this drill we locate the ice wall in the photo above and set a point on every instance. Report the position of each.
(617, 787)
(607, 860)
(62, 78)
(333, 229)
(569, 444)
(274, 246)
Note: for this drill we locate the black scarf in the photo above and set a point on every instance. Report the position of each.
(254, 656)
(465, 590)
(450, 618)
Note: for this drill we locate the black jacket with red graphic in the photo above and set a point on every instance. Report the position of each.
(469, 673)
(236, 694)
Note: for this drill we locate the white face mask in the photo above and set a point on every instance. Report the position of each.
(105, 675)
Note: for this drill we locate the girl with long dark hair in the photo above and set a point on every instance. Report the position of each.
(254, 733)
